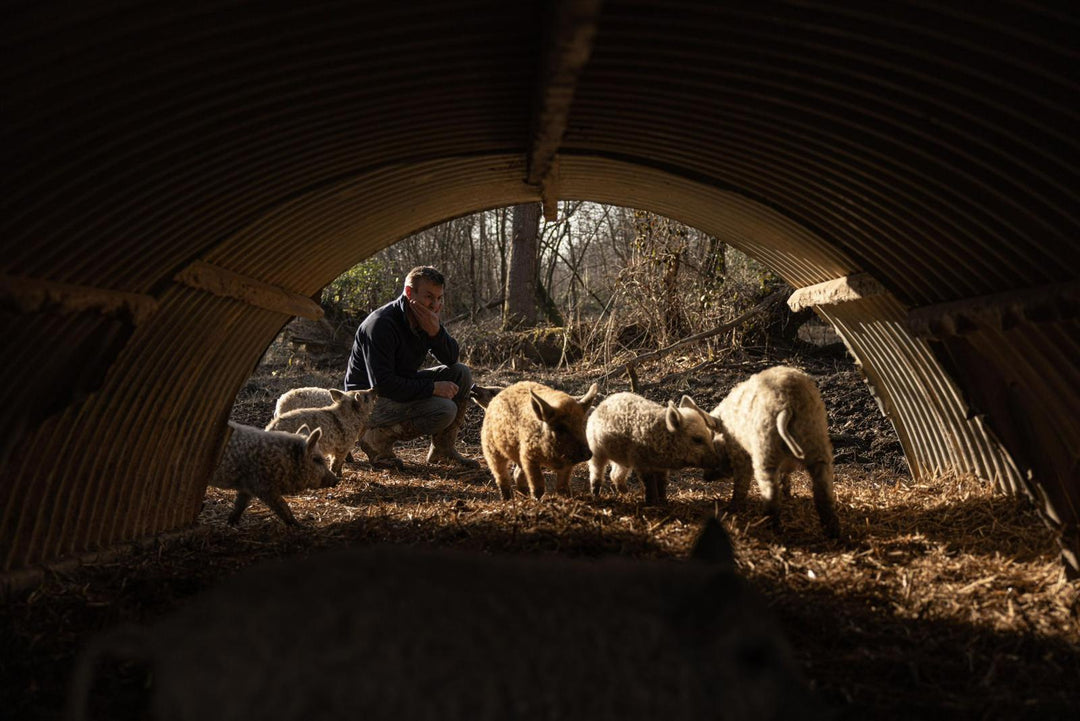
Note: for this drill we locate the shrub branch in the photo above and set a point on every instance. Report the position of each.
(630, 366)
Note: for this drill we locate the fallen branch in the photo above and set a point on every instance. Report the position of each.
(629, 366)
(691, 371)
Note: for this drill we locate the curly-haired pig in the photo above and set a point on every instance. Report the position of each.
(774, 422)
(315, 397)
(343, 421)
(269, 464)
(633, 433)
(535, 427)
(393, 632)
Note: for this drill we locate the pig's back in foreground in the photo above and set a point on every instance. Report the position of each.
(393, 633)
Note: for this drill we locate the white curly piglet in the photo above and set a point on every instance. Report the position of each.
(633, 433)
(774, 422)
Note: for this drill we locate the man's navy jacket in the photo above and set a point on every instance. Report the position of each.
(387, 353)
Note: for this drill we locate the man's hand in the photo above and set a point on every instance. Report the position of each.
(427, 319)
(445, 389)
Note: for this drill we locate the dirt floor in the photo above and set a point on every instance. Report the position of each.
(942, 599)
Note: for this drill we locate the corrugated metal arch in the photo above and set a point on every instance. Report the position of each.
(179, 178)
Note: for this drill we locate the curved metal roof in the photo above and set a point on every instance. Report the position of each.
(179, 178)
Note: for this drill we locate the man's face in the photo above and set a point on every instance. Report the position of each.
(426, 294)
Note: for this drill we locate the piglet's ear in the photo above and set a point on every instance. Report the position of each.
(713, 545)
(540, 407)
(711, 421)
(313, 440)
(688, 402)
(336, 394)
(672, 418)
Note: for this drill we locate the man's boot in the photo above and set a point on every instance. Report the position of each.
(378, 444)
(442, 443)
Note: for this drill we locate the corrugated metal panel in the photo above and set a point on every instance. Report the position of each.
(134, 456)
(923, 402)
(159, 127)
(933, 143)
(309, 241)
(1025, 380)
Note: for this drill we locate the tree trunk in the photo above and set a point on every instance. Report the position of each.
(474, 278)
(504, 253)
(520, 309)
(551, 309)
(715, 266)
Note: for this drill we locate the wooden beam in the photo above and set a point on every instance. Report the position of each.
(569, 45)
(833, 292)
(227, 284)
(1000, 311)
(33, 295)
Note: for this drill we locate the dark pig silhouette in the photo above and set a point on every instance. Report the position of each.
(402, 633)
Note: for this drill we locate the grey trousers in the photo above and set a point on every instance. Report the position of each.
(428, 415)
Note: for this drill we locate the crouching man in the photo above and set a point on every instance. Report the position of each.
(387, 352)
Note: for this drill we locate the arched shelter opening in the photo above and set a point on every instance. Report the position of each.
(180, 180)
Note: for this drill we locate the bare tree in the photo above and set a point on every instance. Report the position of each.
(520, 307)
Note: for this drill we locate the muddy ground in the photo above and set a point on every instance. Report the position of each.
(942, 599)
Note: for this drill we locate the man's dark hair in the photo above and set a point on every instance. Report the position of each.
(427, 273)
